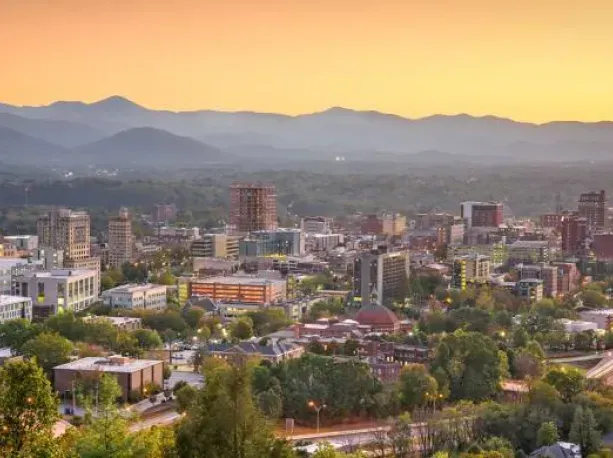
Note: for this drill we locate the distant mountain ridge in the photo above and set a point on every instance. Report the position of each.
(323, 134)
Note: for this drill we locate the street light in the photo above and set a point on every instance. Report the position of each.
(317, 408)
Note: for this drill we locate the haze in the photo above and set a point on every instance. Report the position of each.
(533, 61)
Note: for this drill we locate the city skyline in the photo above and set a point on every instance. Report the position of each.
(516, 60)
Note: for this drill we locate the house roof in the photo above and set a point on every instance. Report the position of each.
(252, 348)
(558, 450)
(205, 303)
(376, 314)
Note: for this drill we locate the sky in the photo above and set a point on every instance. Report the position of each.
(530, 60)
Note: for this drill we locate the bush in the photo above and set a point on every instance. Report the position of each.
(180, 384)
(135, 396)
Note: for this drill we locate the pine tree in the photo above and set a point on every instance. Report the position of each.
(583, 431)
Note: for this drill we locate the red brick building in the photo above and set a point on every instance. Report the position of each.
(574, 233)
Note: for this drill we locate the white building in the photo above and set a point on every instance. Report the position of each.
(60, 289)
(323, 242)
(146, 296)
(573, 326)
(51, 258)
(13, 307)
(23, 242)
(11, 267)
(316, 225)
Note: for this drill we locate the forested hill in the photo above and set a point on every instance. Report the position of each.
(526, 191)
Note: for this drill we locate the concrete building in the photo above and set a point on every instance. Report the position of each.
(530, 251)
(247, 289)
(393, 224)
(381, 275)
(12, 267)
(482, 214)
(371, 225)
(592, 207)
(120, 239)
(276, 352)
(530, 289)
(470, 269)
(50, 257)
(497, 252)
(602, 317)
(13, 307)
(316, 225)
(323, 242)
(253, 207)
(215, 246)
(574, 234)
(55, 290)
(23, 242)
(165, 213)
(66, 230)
(545, 272)
(282, 241)
(123, 323)
(92, 263)
(136, 297)
(133, 375)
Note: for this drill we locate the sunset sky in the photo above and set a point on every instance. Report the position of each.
(534, 60)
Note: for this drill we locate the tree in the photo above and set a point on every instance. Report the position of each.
(193, 316)
(186, 396)
(15, 333)
(569, 381)
(107, 282)
(583, 431)
(28, 411)
(241, 329)
(147, 339)
(593, 299)
(528, 361)
(167, 279)
(224, 422)
(49, 349)
(417, 387)
(168, 320)
(470, 364)
(547, 434)
(155, 442)
(270, 403)
(270, 319)
(67, 325)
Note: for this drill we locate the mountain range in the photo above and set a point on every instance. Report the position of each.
(118, 132)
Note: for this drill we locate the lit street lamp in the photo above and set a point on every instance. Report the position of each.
(317, 408)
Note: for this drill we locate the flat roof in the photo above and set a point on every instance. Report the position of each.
(61, 273)
(6, 352)
(113, 319)
(134, 288)
(240, 280)
(96, 363)
(7, 300)
(6, 263)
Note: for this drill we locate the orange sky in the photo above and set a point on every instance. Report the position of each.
(533, 60)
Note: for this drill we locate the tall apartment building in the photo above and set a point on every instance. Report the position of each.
(592, 207)
(165, 212)
(316, 225)
(253, 207)
(215, 246)
(482, 214)
(574, 234)
(380, 275)
(120, 238)
(66, 230)
(393, 224)
(470, 269)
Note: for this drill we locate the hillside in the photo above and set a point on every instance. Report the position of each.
(20, 149)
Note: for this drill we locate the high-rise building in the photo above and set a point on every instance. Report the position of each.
(574, 234)
(165, 212)
(120, 238)
(393, 224)
(592, 207)
(66, 230)
(381, 275)
(482, 214)
(253, 207)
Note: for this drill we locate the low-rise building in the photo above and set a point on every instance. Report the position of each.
(13, 307)
(573, 326)
(134, 296)
(275, 352)
(602, 317)
(11, 268)
(240, 288)
(530, 251)
(542, 271)
(123, 323)
(323, 242)
(23, 242)
(215, 246)
(530, 289)
(55, 290)
(470, 269)
(133, 375)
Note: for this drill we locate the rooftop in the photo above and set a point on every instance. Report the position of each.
(240, 280)
(7, 300)
(111, 364)
(530, 244)
(133, 288)
(7, 263)
(61, 273)
(116, 320)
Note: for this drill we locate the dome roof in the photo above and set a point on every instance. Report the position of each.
(375, 314)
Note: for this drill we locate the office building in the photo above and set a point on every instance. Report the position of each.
(136, 297)
(574, 234)
(133, 375)
(23, 242)
(120, 239)
(247, 289)
(381, 276)
(323, 242)
(12, 267)
(92, 263)
(56, 290)
(316, 225)
(568, 276)
(482, 214)
(548, 274)
(282, 241)
(393, 224)
(164, 213)
(371, 225)
(253, 207)
(215, 246)
(530, 289)
(529, 251)
(592, 207)
(66, 230)
(13, 307)
(497, 252)
(470, 269)
(50, 257)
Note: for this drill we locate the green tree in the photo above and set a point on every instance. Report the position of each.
(417, 387)
(15, 333)
(49, 349)
(193, 316)
(168, 320)
(583, 431)
(270, 403)
(156, 442)
(147, 339)
(28, 411)
(107, 282)
(167, 279)
(593, 299)
(547, 434)
(224, 422)
(241, 329)
(268, 320)
(470, 364)
(569, 381)
(186, 396)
